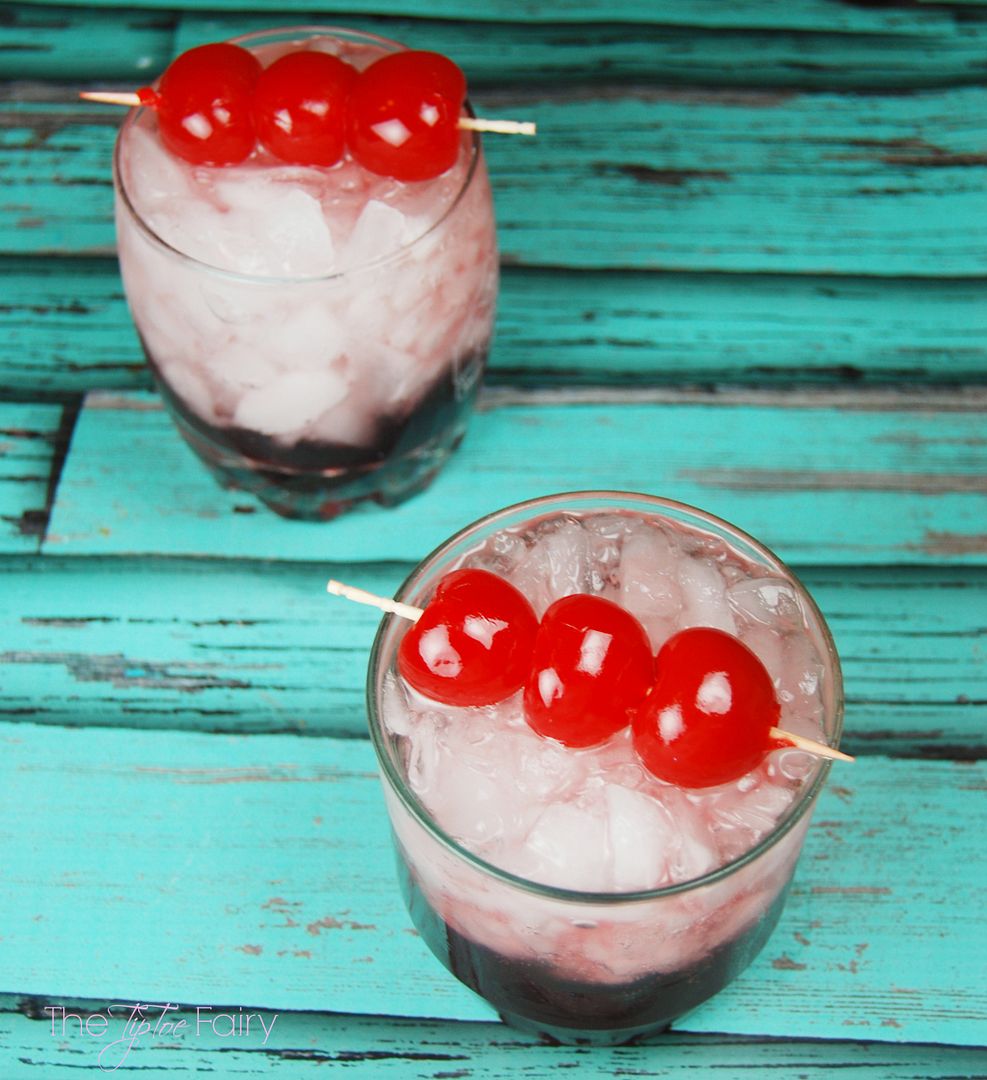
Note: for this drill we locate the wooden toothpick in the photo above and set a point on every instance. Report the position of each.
(800, 742)
(413, 614)
(109, 97)
(498, 127)
(361, 596)
(466, 123)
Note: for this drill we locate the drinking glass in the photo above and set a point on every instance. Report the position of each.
(313, 388)
(575, 966)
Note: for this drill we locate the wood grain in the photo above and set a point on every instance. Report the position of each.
(879, 485)
(56, 43)
(744, 266)
(65, 329)
(741, 14)
(28, 436)
(874, 184)
(947, 51)
(304, 1044)
(258, 869)
(818, 49)
(247, 647)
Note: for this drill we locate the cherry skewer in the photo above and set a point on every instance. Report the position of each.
(131, 99)
(413, 614)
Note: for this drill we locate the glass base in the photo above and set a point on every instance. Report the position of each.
(317, 481)
(324, 496)
(535, 996)
(564, 1036)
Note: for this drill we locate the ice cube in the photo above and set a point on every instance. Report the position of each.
(425, 764)
(397, 378)
(694, 852)
(379, 231)
(235, 370)
(641, 835)
(792, 764)
(290, 402)
(350, 423)
(704, 595)
(566, 847)
(741, 813)
(767, 647)
(501, 553)
(193, 227)
(230, 302)
(800, 686)
(769, 601)
(473, 806)
(273, 229)
(395, 707)
(649, 586)
(483, 801)
(192, 388)
(307, 336)
(558, 563)
(152, 174)
(543, 768)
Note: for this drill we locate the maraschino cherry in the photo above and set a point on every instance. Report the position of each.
(473, 643)
(300, 107)
(204, 104)
(592, 668)
(404, 112)
(708, 717)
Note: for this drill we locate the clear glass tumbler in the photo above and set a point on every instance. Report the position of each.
(318, 334)
(593, 967)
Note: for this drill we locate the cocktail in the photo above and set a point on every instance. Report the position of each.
(593, 839)
(314, 299)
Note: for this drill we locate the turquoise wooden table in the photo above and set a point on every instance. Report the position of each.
(745, 266)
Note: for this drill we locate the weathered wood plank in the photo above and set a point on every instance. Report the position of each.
(258, 647)
(131, 486)
(658, 179)
(948, 51)
(65, 329)
(258, 869)
(300, 1044)
(798, 48)
(57, 43)
(823, 15)
(28, 436)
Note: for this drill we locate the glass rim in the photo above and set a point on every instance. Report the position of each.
(280, 33)
(806, 796)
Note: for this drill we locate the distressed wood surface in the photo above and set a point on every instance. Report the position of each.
(65, 329)
(56, 43)
(948, 50)
(50, 42)
(829, 183)
(259, 869)
(28, 437)
(810, 362)
(880, 485)
(259, 647)
(303, 1044)
(824, 15)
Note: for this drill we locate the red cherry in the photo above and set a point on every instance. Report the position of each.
(300, 107)
(404, 111)
(472, 645)
(592, 668)
(707, 718)
(204, 104)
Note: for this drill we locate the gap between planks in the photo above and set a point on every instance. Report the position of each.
(971, 398)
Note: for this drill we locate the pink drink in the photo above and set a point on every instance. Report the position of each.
(582, 897)
(319, 334)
